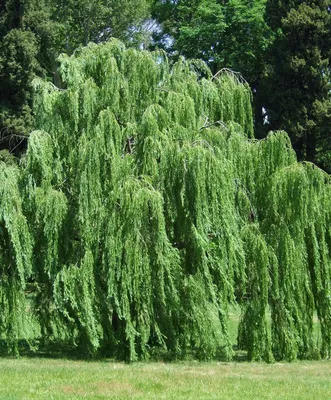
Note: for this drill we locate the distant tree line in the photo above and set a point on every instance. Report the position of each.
(282, 48)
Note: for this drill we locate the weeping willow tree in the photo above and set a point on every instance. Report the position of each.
(144, 208)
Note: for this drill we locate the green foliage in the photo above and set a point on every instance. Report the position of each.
(96, 21)
(18, 62)
(32, 35)
(28, 40)
(296, 84)
(229, 34)
(15, 258)
(149, 209)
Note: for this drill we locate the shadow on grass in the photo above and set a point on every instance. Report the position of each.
(54, 349)
(65, 350)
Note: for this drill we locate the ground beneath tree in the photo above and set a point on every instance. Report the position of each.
(64, 379)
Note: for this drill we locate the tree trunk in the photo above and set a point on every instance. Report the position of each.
(311, 147)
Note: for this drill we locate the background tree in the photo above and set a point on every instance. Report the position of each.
(86, 21)
(281, 48)
(32, 35)
(231, 34)
(296, 87)
(28, 42)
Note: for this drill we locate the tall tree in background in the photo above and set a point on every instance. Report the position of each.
(32, 35)
(28, 42)
(230, 34)
(96, 21)
(296, 86)
(282, 48)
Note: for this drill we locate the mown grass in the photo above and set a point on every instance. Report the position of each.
(50, 378)
(63, 379)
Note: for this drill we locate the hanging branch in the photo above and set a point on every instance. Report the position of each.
(236, 74)
(130, 144)
(208, 125)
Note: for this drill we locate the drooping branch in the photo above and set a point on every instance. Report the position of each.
(141, 227)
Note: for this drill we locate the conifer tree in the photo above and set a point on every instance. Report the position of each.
(32, 35)
(296, 87)
(28, 40)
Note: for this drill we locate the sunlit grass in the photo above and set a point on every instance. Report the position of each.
(63, 379)
(47, 378)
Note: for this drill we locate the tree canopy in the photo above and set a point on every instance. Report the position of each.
(297, 79)
(33, 33)
(230, 34)
(144, 207)
(282, 48)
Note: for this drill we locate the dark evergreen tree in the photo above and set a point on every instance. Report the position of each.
(33, 33)
(278, 9)
(27, 48)
(296, 86)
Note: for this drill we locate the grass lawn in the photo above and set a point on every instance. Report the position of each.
(53, 378)
(41, 378)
